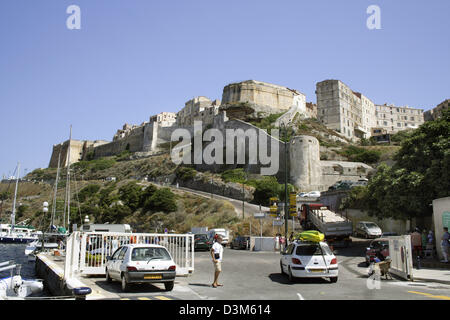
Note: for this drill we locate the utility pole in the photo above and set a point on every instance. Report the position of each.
(286, 215)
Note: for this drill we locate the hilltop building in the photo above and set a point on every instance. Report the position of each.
(394, 119)
(251, 99)
(343, 110)
(198, 109)
(78, 150)
(240, 103)
(354, 115)
(436, 112)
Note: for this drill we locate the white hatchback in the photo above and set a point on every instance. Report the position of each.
(303, 259)
(141, 263)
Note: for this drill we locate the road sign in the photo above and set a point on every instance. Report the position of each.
(446, 219)
(278, 223)
(259, 215)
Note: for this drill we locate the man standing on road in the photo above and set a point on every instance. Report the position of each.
(445, 244)
(216, 254)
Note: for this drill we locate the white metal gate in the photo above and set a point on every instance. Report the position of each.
(401, 255)
(86, 252)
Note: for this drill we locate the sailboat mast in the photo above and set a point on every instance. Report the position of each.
(68, 182)
(52, 222)
(13, 215)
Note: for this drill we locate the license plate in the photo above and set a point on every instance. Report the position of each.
(153, 276)
(316, 270)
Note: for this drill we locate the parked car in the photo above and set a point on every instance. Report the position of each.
(377, 248)
(359, 183)
(368, 230)
(141, 263)
(302, 194)
(201, 242)
(309, 260)
(313, 194)
(240, 242)
(341, 185)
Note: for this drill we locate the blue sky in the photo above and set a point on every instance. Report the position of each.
(135, 58)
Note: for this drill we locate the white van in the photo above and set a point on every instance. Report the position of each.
(124, 228)
(221, 232)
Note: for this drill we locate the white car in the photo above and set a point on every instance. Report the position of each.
(313, 194)
(141, 263)
(303, 259)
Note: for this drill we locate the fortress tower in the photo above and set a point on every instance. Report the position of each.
(305, 166)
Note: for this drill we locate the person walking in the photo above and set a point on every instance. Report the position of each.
(445, 244)
(416, 241)
(217, 254)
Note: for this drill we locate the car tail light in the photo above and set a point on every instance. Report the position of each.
(131, 269)
(296, 261)
(333, 261)
(172, 268)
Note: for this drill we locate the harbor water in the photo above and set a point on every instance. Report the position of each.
(16, 252)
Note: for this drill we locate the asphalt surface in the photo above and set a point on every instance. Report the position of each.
(256, 276)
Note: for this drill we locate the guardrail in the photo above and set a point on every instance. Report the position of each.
(86, 252)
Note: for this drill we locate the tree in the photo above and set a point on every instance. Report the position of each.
(88, 192)
(420, 175)
(130, 194)
(146, 194)
(162, 200)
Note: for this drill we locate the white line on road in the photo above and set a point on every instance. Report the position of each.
(300, 296)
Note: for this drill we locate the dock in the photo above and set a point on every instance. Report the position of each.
(50, 268)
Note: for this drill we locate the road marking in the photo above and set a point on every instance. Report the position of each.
(144, 298)
(125, 299)
(300, 296)
(162, 298)
(430, 295)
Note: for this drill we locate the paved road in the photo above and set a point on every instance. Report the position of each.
(256, 275)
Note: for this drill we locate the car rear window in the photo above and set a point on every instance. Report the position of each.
(201, 237)
(148, 254)
(308, 250)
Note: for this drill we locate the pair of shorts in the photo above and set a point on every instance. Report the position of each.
(217, 266)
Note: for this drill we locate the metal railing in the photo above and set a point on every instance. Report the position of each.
(86, 252)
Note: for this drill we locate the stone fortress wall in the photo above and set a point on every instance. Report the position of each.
(255, 99)
(306, 170)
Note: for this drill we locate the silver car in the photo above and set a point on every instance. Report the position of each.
(368, 230)
(141, 263)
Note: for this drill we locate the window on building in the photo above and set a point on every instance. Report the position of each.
(399, 124)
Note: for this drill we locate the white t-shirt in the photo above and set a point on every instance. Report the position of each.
(217, 247)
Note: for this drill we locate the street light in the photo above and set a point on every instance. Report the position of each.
(45, 210)
(286, 217)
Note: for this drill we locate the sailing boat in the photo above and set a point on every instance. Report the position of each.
(13, 233)
(50, 240)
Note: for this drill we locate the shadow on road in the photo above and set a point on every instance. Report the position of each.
(115, 287)
(200, 285)
(283, 279)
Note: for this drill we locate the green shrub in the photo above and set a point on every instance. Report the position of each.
(234, 175)
(88, 192)
(185, 173)
(162, 200)
(357, 154)
(130, 194)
